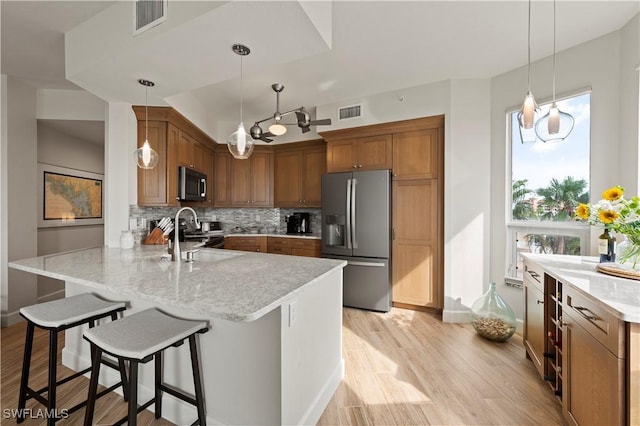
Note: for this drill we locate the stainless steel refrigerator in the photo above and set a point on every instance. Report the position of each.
(356, 227)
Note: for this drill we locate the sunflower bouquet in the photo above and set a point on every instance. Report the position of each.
(618, 214)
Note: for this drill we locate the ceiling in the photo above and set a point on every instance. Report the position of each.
(355, 48)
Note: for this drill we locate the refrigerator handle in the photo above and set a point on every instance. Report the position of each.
(348, 218)
(354, 238)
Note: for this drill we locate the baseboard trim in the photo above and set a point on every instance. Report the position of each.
(7, 320)
(52, 296)
(318, 406)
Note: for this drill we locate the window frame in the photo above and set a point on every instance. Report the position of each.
(512, 227)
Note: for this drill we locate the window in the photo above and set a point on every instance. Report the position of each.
(548, 180)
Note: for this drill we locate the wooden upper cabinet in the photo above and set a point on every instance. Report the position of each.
(252, 181)
(375, 153)
(341, 156)
(178, 143)
(415, 154)
(298, 174)
(366, 153)
(314, 165)
(222, 178)
(152, 183)
(192, 154)
(288, 179)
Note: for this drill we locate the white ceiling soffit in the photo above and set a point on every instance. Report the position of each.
(33, 38)
(191, 49)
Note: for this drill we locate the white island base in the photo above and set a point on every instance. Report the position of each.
(282, 368)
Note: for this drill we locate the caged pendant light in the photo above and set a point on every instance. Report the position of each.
(145, 156)
(529, 110)
(556, 125)
(240, 143)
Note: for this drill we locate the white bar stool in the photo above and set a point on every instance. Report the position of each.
(139, 338)
(57, 316)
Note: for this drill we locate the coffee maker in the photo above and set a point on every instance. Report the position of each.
(298, 223)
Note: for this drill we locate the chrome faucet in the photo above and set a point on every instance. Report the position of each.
(175, 253)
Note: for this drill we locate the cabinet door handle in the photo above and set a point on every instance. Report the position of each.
(562, 323)
(590, 316)
(534, 275)
(540, 302)
(355, 166)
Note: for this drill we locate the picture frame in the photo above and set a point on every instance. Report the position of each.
(69, 197)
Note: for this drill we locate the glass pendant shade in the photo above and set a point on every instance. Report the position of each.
(240, 143)
(528, 112)
(527, 135)
(145, 156)
(555, 125)
(277, 129)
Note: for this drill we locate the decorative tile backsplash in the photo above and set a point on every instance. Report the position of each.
(229, 218)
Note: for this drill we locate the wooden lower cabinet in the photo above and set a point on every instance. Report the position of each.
(593, 379)
(294, 246)
(246, 243)
(534, 334)
(590, 357)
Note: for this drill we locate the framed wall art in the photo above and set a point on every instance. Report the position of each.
(69, 197)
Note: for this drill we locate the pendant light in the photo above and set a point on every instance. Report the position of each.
(556, 125)
(240, 143)
(529, 110)
(145, 156)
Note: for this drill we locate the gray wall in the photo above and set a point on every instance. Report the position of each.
(20, 205)
(60, 149)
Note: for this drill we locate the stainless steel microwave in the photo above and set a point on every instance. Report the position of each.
(192, 185)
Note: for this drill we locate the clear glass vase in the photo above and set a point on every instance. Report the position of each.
(491, 317)
(628, 252)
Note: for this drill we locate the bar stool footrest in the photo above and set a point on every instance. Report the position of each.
(138, 411)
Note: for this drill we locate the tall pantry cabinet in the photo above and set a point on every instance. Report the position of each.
(415, 155)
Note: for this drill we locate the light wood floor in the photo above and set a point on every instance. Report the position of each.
(402, 367)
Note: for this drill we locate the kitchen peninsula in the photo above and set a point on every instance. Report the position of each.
(273, 354)
(582, 333)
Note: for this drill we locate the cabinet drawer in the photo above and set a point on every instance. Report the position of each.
(279, 250)
(242, 241)
(534, 275)
(277, 242)
(592, 316)
(302, 243)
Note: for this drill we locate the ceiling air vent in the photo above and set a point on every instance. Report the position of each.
(353, 111)
(148, 13)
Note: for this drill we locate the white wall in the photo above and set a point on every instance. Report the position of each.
(466, 106)
(4, 220)
(20, 205)
(597, 65)
(120, 170)
(63, 150)
(629, 109)
(467, 189)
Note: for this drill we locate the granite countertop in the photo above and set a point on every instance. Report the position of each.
(225, 284)
(620, 296)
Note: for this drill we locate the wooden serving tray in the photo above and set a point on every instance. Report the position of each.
(618, 271)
